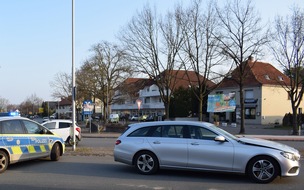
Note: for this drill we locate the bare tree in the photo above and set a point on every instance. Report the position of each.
(103, 72)
(240, 37)
(287, 45)
(62, 85)
(31, 105)
(152, 45)
(200, 48)
(3, 104)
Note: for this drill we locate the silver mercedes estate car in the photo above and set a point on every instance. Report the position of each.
(203, 146)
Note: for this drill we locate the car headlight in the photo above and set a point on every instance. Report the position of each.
(290, 156)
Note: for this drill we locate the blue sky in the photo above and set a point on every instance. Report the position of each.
(36, 37)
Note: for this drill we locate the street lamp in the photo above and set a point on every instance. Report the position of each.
(73, 80)
(138, 102)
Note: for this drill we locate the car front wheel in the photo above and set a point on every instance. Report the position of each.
(263, 169)
(3, 161)
(146, 162)
(55, 152)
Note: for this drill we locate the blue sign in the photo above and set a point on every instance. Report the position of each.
(88, 107)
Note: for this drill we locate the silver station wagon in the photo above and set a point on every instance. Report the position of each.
(203, 146)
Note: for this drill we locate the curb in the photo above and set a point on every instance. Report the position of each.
(265, 137)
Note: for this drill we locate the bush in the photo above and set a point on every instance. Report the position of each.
(115, 127)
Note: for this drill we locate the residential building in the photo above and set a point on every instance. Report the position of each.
(65, 108)
(132, 89)
(147, 92)
(266, 101)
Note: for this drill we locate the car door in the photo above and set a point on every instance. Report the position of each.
(38, 141)
(169, 145)
(15, 139)
(206, 153)
(60, 128)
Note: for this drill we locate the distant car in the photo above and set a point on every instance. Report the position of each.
(151, 146)
(23, 139)
(53, 116)
(63, 128)
(143, 118)
(150, 118)
(134, 118)
(114, 118)
(44, 119)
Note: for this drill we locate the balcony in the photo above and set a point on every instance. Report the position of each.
(134, 106)
(149, 94)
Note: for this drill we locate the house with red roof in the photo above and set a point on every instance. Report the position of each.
(147, 91)
(265, 99)
(64, 110)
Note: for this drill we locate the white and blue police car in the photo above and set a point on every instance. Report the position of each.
(23, 139)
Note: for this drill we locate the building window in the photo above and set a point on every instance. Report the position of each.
(249, 94)
(147, 100)
(280, 78)
(267, 77)
(250, 113)
(219, 92)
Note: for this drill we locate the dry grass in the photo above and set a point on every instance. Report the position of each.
(88, 151)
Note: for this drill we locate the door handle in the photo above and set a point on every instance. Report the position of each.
(156, 142)
(194, 143)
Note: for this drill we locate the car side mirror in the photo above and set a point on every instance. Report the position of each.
(220, 138)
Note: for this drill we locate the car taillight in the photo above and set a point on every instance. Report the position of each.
(78, 129)
(117, 142)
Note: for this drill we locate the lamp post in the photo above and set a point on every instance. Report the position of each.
(73, 80)
(138, 102)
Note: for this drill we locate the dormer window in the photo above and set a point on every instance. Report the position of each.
(267, 77)
(280, 78)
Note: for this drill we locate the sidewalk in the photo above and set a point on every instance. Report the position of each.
(263, 132)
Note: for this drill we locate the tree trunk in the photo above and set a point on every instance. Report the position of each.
(105, 115)
(167, 111)
(200, 109)
(242, 127)
(295, 121)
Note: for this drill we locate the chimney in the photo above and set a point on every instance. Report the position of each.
(251, 58)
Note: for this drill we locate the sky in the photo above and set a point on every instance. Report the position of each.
(36, 37)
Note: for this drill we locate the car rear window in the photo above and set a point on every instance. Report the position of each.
(64, 125)
(142, 132)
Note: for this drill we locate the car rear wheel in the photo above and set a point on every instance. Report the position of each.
(71, 142)
(263, 169)
(3, 161)
(55, 152)
(146, 162)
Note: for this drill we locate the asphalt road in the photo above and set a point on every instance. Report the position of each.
(93, 172)
(74, 171)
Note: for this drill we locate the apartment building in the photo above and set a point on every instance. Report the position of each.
(265, 99)
(147, 92)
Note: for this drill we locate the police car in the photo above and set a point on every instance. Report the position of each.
(22, 139)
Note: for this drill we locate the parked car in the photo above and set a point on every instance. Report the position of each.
(150, 118)
(114, 118)
(151, 146)
(23, 139)
(143, 117)
(63, 128)
(134, 118)
(44, 119)
(53, 116)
